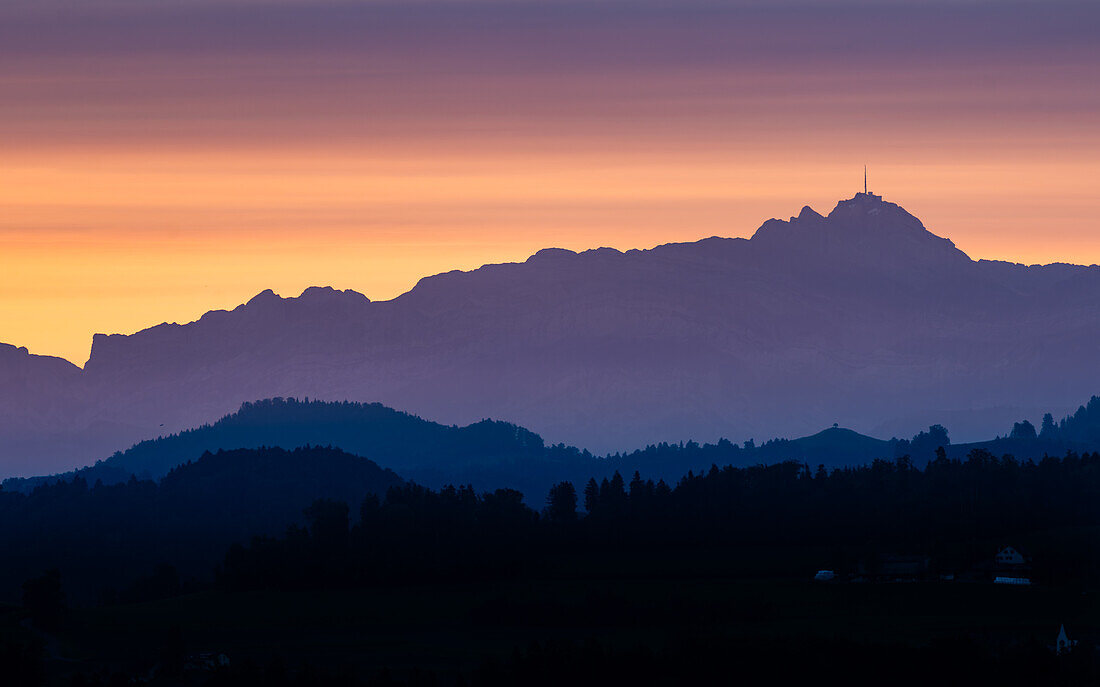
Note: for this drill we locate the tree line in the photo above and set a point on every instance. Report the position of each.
(141, 539)
(957, 512)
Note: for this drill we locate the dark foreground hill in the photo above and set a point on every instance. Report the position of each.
(105, 535)
(448, 587)
(861, 317)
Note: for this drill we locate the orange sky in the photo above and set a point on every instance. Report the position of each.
(150, 182)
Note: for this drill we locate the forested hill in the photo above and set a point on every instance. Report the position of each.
(104, 533)
(1077, 432)
(391, 438)
(219, 497)
(487, 454)
(491, 455)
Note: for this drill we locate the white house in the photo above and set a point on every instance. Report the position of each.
(1010, 556)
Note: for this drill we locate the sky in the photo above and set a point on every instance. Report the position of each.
(158, 160)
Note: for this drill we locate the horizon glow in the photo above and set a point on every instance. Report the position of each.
(161, 162)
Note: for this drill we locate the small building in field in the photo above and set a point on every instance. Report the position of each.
(1011, 566)
(1010, 557)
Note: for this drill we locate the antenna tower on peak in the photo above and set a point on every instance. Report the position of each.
(864, 179)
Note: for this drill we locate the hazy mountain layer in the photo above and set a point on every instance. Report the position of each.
(491, 455)
(390, 438)
(862, 317)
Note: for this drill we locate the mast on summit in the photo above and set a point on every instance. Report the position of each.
(864, 179)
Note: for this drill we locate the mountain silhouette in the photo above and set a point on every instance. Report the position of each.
(833, 447)
(34, 386)
(487, 454)
(412, 446)
(492, 455)
(862, 317)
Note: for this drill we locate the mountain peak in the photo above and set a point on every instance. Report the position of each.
(327, 294)
(263, 297)
(865, 228)
(20, 355)
(7, 349)
(551, 254)
(869, 205)
(808, 213)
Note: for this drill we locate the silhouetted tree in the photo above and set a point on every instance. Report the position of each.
(591, 495)
(1023, 430)
(328, 524)
(369, 510)
(1049, 429)
(924, 444)
(662, 491)
(614, 495)
(561, 503)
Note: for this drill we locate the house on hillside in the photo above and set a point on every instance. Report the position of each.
(1011, 566)
(1010, 557)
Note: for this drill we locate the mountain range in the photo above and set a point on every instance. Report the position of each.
(862, 317)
